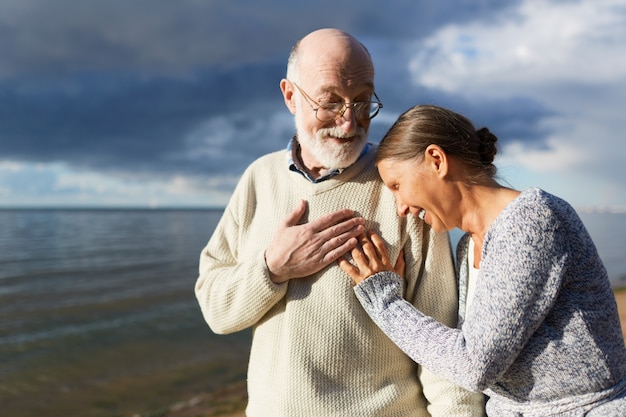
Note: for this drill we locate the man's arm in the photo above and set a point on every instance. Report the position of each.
(233, 293)
(236, 290)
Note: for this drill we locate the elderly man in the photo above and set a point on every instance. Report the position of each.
(271, 262)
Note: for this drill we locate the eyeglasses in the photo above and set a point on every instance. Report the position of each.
(325, 112)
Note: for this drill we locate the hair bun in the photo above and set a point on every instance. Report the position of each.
(487, 145)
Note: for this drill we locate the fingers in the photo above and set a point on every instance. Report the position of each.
(336, 253)
(301, 249)
(370, 253)
(372, 256)
(380, 246)
(376, 251)
(348, 268)
(337, 240)
(358, 273)
(338, 221)
(336, 230)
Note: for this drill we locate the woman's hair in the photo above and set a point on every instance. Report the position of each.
(425, 125)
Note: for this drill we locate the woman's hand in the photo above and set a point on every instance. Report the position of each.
(370, 257)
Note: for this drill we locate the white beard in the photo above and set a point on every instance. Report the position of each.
(329, 154)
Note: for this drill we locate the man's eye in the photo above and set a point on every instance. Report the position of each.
(332, 106)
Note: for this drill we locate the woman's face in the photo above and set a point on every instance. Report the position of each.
(418, 190)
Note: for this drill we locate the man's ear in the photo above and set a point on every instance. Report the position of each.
(288, 94)
(437, 159)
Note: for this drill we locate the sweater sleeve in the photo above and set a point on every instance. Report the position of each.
(519, 281)
(234, 291)
(436, 294)
(423, 338)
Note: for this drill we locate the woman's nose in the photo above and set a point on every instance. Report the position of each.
(403, 209)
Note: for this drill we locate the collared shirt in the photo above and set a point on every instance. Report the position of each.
(295, 164)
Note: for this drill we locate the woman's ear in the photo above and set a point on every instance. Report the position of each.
(437, 158)
(288, 94)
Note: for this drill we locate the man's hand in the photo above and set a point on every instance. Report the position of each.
(299, 250)
(371, 258)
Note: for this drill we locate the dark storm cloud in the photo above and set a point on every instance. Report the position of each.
(120, 86)
(115, 120)
(41, 36)
(512, 119)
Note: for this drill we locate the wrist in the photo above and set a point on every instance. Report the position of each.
(273, 276)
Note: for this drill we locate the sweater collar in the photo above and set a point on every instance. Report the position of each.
(294, 163)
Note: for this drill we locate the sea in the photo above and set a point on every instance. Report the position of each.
(98, 316)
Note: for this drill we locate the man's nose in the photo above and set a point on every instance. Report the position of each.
(347, 118)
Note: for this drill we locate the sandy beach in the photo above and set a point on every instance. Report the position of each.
(620, 296)
(213, 405)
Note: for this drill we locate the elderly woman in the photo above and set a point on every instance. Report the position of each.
(539, 333)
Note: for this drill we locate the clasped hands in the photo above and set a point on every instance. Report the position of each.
(370, 257)
(299, 250)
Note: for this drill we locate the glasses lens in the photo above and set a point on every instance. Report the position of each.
(374, 109)
(363, 110)
(329, 111)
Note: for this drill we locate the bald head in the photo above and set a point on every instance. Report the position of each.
(331, 52)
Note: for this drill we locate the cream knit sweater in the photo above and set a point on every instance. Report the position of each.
(315, 352)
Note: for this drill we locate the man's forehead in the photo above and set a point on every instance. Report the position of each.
(325, 78)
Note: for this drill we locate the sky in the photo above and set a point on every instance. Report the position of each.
(160, 103)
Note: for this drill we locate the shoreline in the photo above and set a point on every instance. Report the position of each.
(234, 396)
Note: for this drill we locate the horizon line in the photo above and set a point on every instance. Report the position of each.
(580, 209)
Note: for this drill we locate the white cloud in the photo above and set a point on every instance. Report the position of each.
(24, 184)
(10, 166)
(567, 56)
(544, 42)
(557, 158)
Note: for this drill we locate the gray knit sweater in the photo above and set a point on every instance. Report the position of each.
(543, 336)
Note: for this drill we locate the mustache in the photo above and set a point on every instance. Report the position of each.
(337, 132)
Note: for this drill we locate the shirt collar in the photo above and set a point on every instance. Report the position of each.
(295, 164)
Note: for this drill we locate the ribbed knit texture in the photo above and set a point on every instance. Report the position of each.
(543, 336)
(315, 352)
